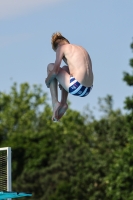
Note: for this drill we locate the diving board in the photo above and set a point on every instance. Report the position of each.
(6, 195)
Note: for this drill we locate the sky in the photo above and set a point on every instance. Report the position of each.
(104, 28)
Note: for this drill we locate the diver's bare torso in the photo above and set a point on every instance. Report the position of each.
(79, 63)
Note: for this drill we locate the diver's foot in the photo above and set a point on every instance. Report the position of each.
(61, 110)
(56, 107)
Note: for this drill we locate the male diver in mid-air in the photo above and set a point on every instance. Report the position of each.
(76, 77)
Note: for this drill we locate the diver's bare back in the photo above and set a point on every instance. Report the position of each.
(79, 64)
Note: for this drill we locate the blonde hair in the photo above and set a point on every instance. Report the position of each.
(56, 39)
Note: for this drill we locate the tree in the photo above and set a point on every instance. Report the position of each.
(128, 78)
(39, 146)
(60, 161)
(120, 177)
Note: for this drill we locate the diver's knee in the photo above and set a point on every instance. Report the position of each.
(50, 67)
(66, 68)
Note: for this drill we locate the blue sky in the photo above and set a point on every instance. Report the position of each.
(104, 28)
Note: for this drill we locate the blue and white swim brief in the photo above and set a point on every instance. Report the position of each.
(78, 89)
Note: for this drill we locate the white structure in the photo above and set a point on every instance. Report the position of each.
(5, 169)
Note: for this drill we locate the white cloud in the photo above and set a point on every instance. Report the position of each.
(12, 8)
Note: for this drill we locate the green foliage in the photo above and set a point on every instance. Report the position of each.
(59, 161)
(106, 105)
(128, 78)
(120, 176)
